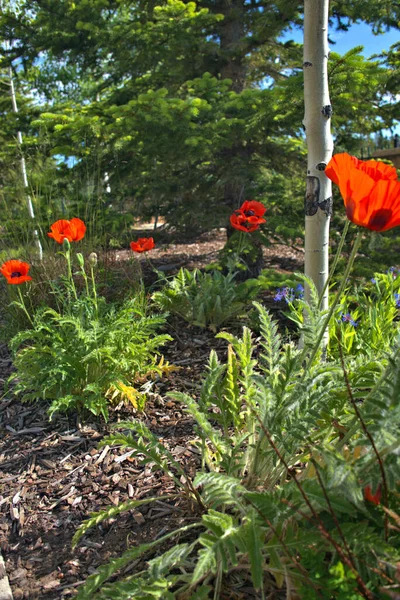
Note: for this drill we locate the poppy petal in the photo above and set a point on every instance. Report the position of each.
(371, 497)
(384, 198)
(370, 190)
(73, 230)
(253, 208)
(60, 230)
(78, 229)
(377, 170)
(15, 271)
(339, 167)
(239, 220)
(142, 245)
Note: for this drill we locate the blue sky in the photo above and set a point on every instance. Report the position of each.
(359, 34)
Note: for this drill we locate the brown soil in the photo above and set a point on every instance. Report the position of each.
(54, 474)
(204, 250)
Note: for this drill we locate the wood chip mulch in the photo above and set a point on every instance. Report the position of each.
(53, 474)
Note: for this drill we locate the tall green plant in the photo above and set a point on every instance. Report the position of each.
(288, 454)
(206, 299)
(87, 352)
(365, 320)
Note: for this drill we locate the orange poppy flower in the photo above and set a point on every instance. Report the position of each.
(253, 208)
(370, 190)
(142, 245)
(73, 230)
(15, 271)
(374, 498)
(239, 220)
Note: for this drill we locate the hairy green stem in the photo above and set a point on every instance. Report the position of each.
(23, 306)
(336, 300)
(94, 289)
(85, 278)
(67, 254)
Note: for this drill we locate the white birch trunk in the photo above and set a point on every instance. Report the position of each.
(106, 178)
(317, 117)
(23, 168)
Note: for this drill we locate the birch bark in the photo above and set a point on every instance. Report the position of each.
(317, 120)
(23, 168)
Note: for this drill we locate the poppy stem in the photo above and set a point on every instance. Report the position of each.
(139, 285)
(94, 288)
(83, 272)
(67, 254)
(23, 307)
(233, 268)
(86, 282)
(336, 299)
(335, 262)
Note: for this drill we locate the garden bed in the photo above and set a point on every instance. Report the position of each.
(53, 475)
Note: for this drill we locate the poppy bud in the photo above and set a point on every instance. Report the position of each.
(93, 259)
(80, 258)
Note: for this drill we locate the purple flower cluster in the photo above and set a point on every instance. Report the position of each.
(347, 318)
(289, 294)
(397, 300)
(394, 271)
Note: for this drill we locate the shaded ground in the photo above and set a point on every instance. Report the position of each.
(53, 475)
(204, 250)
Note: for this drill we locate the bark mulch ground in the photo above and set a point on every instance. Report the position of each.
(54, 474)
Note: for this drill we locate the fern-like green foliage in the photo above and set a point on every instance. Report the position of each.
(206, 299)
(133, 585)
(373, 306)
(110, 513)
(75, 358)
(286, 459)
(145, 444)
(365, 321)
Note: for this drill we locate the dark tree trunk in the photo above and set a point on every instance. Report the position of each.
(232, 45)
(233, 67)
(232, 34)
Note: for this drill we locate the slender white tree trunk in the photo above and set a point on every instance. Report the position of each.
(23, 168)
(317, 117)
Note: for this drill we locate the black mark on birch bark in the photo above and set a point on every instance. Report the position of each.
(326, 206)
(321, 166)
(327, 111)
(312, 196)
(307, 64)
(312, 202)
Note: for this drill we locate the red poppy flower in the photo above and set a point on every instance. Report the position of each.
(143, 245)
(73, 230)
(374, 498)
(239, 220)
(252, 208)
(16, 271)
(370, 190)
